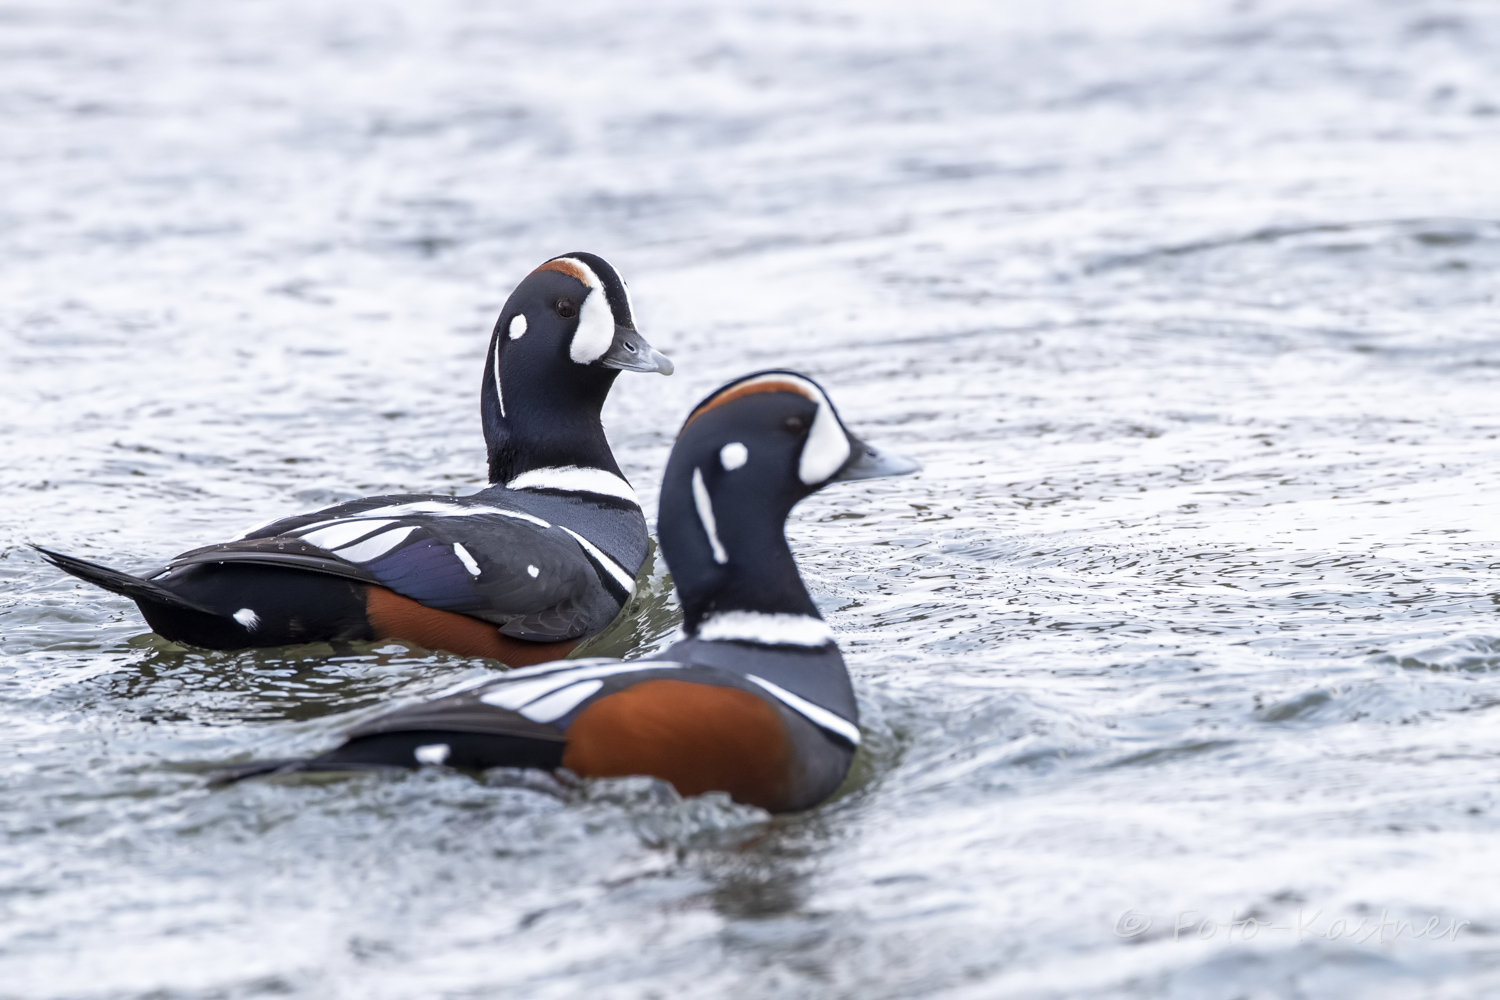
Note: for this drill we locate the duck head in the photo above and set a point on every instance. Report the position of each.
(563, 336)
(746, 456)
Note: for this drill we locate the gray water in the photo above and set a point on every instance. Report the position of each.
(1178, 664)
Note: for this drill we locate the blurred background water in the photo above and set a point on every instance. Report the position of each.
(1178, 663)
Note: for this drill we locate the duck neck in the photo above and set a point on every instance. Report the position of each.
(537, 419)
(757, 574)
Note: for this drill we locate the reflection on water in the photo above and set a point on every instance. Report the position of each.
(1188, 310)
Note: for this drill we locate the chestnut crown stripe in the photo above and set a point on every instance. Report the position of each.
(770, 383)
(827, 446)
(598, 314)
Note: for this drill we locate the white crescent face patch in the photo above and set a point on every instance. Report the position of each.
(596, 321)
(827, 446)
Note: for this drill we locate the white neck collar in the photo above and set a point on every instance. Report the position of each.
(575, 479)
(765, 629)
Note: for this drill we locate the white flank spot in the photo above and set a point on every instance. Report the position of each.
(733, 455)
(533, 571)
(343, 532)
(374, 548)
(596, 323)
(614, 569)
(767, 629)
(560, 703)
(248, 618)
(466, 559)
(513, 693)
(517, 326)
(575, 479)
(432, 753)
(500, 396)
(816, 714)
(706, 517)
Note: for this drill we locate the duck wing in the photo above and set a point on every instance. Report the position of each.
(483, 559)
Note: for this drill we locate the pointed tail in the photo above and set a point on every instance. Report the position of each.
(132, 587)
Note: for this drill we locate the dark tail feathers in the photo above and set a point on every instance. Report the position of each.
(132, 587)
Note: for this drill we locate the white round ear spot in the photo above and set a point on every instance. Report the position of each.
(827, 447)
(733, 455)
(517, 326)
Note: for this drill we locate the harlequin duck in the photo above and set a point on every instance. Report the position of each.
(520, 571)
(754, 701)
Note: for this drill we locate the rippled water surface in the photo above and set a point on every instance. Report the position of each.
(1179, 663)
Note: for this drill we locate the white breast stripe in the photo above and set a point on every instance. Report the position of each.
(498, 394)
(611, 567)
(374, 548)
(342, 533)
(817, 714)
(706, 517)
(247, 617)
(575, 479)
(560, 703)
(770, 630)
(513, 694)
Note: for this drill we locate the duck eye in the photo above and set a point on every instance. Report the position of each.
(566, 309)
(794, 424)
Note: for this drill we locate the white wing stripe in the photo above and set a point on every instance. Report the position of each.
(560, 703)
(438, 508)
(373, 548)
(816, 714)
(513, 694)
(342, 533)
